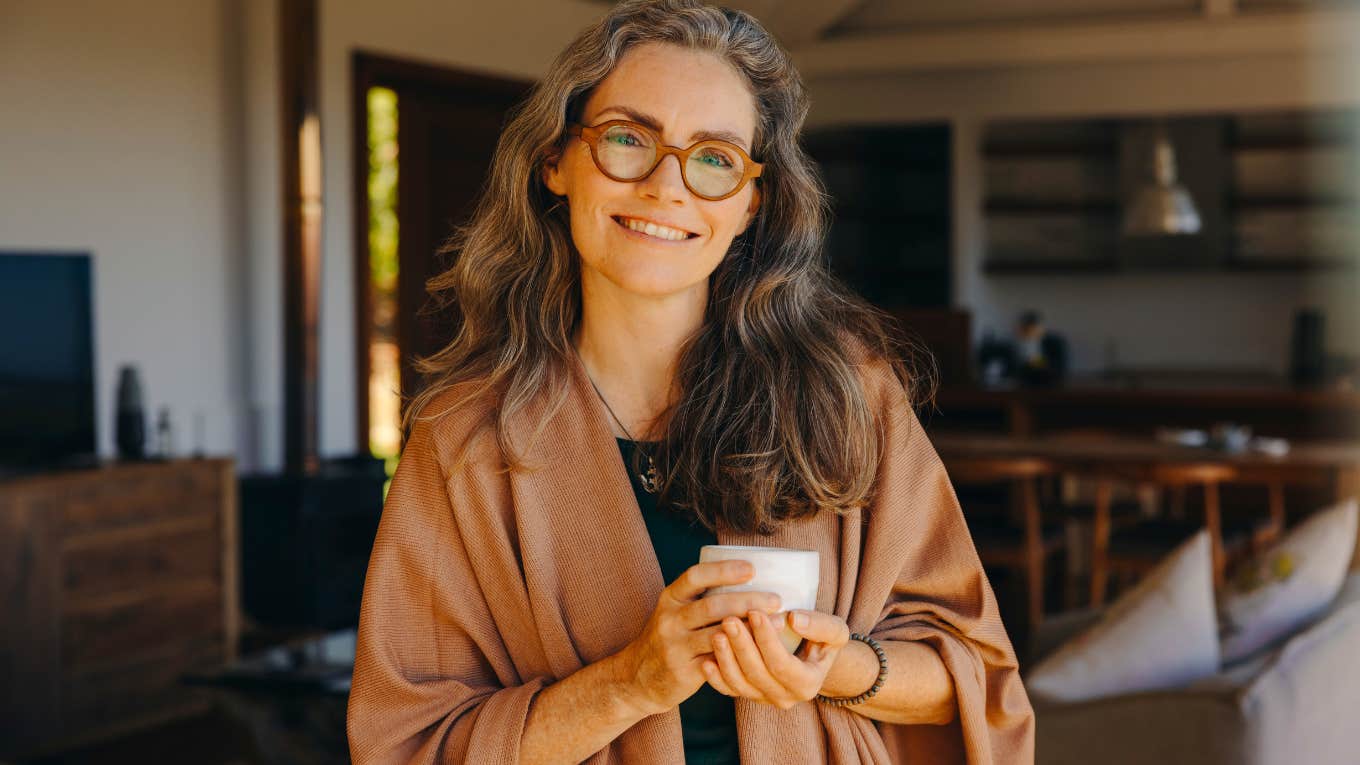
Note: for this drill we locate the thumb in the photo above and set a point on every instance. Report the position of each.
(819, 627)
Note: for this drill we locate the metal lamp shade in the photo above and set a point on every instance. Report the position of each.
(1163, 206)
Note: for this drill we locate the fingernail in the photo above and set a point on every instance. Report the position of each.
(757, 618)
(800, 620)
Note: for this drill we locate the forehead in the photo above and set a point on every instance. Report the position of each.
(686, 91)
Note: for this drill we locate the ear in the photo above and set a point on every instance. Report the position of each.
(753, 208)
(552, 178)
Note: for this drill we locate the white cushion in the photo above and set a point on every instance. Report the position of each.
(1290, 584)
(1161, 634)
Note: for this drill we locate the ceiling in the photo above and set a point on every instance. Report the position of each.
(854, 36)
(875, 16)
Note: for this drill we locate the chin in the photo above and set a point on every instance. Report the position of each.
(656, 283)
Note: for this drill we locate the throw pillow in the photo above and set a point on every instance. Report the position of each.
(1283, 588)
(1161, 634)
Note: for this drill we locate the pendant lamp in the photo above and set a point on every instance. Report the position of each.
(1161, 206)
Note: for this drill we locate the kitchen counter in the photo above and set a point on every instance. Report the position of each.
(1144, 403)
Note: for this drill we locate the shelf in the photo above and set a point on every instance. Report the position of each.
(1290, 265)
(1284, 202)
(1021, 207)
(858, 157)
(1049, 267)
(869, 215)
(1295, 143)
(1079, 267)
(1091, 150)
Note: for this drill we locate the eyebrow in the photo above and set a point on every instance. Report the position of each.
(654, 124)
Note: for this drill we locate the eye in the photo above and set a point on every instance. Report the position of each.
(626, 137)
(716, 158)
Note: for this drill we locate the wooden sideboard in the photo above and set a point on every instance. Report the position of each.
(114, 581)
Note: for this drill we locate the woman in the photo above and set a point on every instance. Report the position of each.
(652, 357)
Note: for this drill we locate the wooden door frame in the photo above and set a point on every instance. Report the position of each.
(299, 88)
(368, 70)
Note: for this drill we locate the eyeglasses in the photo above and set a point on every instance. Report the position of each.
(626, 151)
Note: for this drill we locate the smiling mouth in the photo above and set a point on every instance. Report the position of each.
(620, 221)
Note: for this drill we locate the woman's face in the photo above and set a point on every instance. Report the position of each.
(684, 92)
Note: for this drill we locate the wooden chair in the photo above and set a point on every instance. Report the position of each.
(1138, 549)
(1026, 550)
(1088, 518)
(1275, 478)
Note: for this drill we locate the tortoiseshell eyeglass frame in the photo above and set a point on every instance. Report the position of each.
(591, 134)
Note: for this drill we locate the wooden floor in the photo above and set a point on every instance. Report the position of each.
(210, 739)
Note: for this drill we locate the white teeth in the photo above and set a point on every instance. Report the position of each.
(651, 229)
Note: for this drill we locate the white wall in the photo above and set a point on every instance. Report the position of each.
(1171, 320)
(146, 132)
(262, 322)
(119, 138)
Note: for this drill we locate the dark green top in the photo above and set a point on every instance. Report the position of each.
(708, 718)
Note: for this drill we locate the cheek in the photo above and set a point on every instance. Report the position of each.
(727, 222)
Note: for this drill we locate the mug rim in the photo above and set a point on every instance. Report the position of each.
(754, 548)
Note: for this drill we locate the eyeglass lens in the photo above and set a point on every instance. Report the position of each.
(628, 153)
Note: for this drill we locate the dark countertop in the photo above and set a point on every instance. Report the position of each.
(1167, 389)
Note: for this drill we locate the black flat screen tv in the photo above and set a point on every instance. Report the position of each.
(46, 361)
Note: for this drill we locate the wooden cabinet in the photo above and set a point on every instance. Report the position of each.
(113, 582)
(1294, 195)
(891, 234)
(1276, 191)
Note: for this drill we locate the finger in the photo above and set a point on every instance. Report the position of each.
(817, 657)
(786, 670)
(730, 670)
(714, 608)
(818, 652)
(703, 576)
(700, 641)
(819, 627)
(714, 677)
(751, 662)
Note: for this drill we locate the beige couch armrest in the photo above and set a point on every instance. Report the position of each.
(1199, 726)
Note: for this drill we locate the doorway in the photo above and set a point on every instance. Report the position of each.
(424, 138)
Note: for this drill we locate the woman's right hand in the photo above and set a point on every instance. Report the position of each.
(663, 665)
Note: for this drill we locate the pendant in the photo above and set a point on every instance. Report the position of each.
(651, 481)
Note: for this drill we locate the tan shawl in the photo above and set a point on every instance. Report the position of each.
(485, 586)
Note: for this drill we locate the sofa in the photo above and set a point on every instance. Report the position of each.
(1297, 701)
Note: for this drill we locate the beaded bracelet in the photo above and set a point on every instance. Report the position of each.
(882, 675)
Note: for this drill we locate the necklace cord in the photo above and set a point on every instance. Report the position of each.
(651, 480)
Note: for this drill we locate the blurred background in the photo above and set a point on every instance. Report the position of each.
(1127, 230)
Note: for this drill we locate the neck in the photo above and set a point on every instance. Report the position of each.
(630, 345)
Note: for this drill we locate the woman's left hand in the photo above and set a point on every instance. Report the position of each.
(752, 663)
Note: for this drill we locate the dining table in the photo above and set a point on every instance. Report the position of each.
(1331, 466)
(1331, 462)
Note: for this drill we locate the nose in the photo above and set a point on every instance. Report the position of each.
(666, 184)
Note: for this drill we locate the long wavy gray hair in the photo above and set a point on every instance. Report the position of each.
(772, 422)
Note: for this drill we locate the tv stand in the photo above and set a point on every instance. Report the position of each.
(116, 581)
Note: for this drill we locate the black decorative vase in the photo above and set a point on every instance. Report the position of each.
(1307, 348)
(130, 423)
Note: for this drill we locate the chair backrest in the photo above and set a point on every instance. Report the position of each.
(1191, 473)
(994, 469)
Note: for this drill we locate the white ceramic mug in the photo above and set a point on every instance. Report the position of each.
(791, 574)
